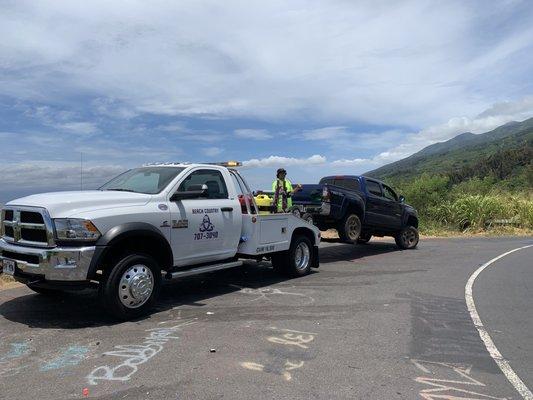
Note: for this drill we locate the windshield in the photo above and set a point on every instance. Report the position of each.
(149, 180)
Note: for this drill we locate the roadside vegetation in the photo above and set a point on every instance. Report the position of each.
(474, 205)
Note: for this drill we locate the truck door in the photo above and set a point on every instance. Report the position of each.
(374, 204)
(207, 228)
(392, 207)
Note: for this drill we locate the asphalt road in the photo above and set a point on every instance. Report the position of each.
(372, 323)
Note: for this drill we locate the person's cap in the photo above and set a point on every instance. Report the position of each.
(281, 171)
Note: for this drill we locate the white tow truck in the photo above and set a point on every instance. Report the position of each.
(149, 224)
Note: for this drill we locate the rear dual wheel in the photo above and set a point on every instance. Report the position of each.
(297, 260)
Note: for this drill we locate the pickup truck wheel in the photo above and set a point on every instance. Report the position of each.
(295, 211)
(307, 218)
(350, 228)
(297, 260)
(131, 287)
(364, 238)
(407, 238)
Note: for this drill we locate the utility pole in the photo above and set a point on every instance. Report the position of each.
(81, 170)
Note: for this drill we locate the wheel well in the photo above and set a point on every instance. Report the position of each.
(412, 221)
(306, 232)
(142, 243)
(355, 209)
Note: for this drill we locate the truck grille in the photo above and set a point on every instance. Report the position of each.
(29, 226)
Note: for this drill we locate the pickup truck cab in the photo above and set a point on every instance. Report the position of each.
(360, 207)
(148, 224)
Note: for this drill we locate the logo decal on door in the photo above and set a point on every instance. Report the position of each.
(207, 230)
(206, 225)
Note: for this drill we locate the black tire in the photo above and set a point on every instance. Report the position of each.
(350, 228)
(307, 218)
(295, 211)
(45, 291)
(118, 290)
(364, 238)
(297, 260)
(407, 238)
(279, 262)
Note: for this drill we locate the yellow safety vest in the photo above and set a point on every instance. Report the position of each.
(287, 190)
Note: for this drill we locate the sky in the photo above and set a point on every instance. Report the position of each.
(318, 87)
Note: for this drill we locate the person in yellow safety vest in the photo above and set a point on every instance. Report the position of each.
(283, 192)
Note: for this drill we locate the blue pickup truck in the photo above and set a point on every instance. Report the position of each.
(358, 208)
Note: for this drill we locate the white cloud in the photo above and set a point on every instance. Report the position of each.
(65, 175)
(327, 133)
(256, 134)
(175, 127)
(350, 163)
(495, 116)
(81, 128)
(212, 151)
(62, 120)
(488, 120)
(280, 161)
(326, 60)
(519, 109)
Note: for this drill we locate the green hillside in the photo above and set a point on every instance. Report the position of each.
(504, 153)
(471, 182)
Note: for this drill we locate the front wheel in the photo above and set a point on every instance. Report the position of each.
(131, 287)
(297, 260)
(407, 238)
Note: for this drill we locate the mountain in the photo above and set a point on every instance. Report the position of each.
(504, 152)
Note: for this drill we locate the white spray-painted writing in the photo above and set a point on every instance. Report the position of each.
(272, 295)
(135, 355)
(451, 389)
(291, 338)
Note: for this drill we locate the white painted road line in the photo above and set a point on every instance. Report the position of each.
(484, 335)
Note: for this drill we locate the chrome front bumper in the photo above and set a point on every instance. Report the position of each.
(55, 264)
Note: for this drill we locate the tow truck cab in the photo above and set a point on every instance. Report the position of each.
(150, 223)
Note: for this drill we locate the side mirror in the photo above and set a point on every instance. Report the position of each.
(192, 192)
(401, 199)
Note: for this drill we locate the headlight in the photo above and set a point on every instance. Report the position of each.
(75, 229)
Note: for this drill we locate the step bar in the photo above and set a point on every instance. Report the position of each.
(202, 270)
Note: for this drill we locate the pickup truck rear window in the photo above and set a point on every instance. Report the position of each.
(350, 184)
(346, 183)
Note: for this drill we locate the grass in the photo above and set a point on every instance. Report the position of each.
(475, 206)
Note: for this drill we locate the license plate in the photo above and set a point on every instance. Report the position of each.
(9, 267)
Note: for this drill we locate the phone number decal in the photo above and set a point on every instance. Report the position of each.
(205, 235)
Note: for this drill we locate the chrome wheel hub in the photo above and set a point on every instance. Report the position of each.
(136, 286)
(302, 256)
